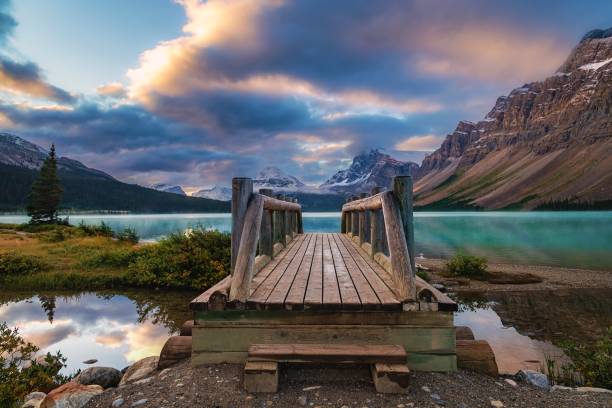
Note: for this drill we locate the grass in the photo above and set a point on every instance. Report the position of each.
(467, 266)
(93, 257)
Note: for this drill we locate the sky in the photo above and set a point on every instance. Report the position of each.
(195, 92)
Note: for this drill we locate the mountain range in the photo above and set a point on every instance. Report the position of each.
(84, 188)
(546, 144)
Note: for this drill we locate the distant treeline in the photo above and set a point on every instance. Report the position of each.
(567, 205)
(87, 191)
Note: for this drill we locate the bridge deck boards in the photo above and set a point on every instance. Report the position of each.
(322, 271)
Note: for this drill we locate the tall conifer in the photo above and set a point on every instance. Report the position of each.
(46, 193)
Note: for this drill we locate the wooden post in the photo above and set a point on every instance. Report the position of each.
(240, 288)
(294, 219)
(266, 240)
(279, 224)
(242, 189)
(285, 217)
(300, 226)
(402, 274)
(402, 188)
(364, 223)
(376, 228)
(354, 219)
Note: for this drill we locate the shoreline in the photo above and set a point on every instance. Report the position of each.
(553, 277)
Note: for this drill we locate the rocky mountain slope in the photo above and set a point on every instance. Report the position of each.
(547, 143)
(368, 170)
(166, 188)
(277, 180)
(15, 151)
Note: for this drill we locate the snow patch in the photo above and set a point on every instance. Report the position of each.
(595, 65)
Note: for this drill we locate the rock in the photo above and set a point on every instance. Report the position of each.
(32, 403)
(143, 381)
(314, 387)
(91, 361)
(560, 388)
(70, 395)
(534, 378)
(139, 370)
(497, 404)
(36, 395)
(436, 399)
(302, 400)
(105, 377)
(511, 382)
(117, 403)
(439, 286)
(593, 389)
(139, 402)
(426, 388)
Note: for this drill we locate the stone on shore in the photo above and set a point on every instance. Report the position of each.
(534, 378)
(593, 389)
(70, 395)
(105, 377)
(139, 370)
(33, 399)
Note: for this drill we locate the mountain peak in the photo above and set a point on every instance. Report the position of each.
(215, 193)
(594, 48)
(276, 179)
(167, 188)
(596, 34)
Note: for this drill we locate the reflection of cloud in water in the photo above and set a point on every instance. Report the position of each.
(513, 351)
(111, 339)
(50, 336)
(145, 340)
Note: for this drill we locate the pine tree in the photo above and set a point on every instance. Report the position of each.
(46, 193)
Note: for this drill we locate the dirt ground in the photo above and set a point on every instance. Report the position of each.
(552, 277)
(221, 386)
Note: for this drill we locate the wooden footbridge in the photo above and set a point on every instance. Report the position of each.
(346, 297)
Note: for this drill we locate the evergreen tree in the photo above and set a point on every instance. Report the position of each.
(46, 193)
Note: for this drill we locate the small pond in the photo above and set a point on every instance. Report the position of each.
(118, 328)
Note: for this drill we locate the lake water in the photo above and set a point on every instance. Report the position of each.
(568, 239)
(118, 328)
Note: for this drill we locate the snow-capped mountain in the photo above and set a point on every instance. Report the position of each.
(277, 180)
(15, 151)
(368, 170)
(167, 188)
(215, 193)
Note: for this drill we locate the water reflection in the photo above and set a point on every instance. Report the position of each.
(523, 327)
(115, 329)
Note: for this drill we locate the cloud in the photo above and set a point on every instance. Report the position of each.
(50, 336)
(7, 22)
(420, 143)
(114, 89)
(26, 78)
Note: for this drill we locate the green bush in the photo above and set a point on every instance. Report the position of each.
(421, 273)
(16, 264)
(593, 363)
(468, 266)
(115, 258)
(21, 372)
(102, 230)
(128, 235)
(196, 260)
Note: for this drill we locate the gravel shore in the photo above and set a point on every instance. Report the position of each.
(221, 386)
(552, 277)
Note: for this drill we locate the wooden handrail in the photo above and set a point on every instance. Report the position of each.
(258, 221)
(385, 219)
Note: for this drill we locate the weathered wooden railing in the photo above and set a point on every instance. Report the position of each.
(382, 224)
(261, 227)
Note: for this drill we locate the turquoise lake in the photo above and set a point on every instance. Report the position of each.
(568, 239)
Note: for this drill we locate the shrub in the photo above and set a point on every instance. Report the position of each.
(16, 264)
(21, 372)
(102, 230)
(128, 235)
(593, 363)
(468, 266)
(421, 273)
(114, 258)
(197, 260)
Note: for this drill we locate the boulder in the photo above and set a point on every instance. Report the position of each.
(70, 395)
(105, 377)
(139, 370)
(534, 378)
(33, 399)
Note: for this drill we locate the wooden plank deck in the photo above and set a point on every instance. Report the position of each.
(322, 271)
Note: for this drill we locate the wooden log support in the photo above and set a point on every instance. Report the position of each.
(464, 333)
(266, 239)
(390, 378)
(186, 328)
(261, 376)
(328, 353)
(349, 223)
(177, 348)
(280, 221)
(402, 274)
(402, 187)
(245, 261)
(242, 188)
(376, 228)
(476, 355)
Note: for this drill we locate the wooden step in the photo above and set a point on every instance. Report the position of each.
(261, 376)
(328, 353)
(476, 355)
(390, 378)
